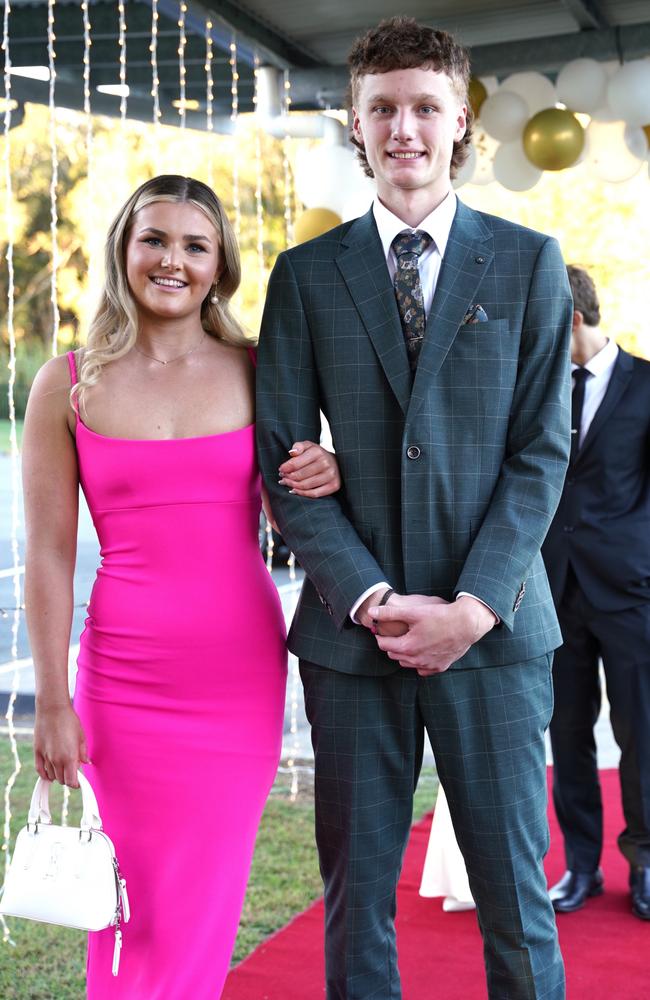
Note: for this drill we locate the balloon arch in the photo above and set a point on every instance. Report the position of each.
(596, 115)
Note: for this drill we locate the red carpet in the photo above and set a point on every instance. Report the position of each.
(606, 949)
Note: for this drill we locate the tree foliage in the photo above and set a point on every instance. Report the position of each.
(604, 227)
(93, 181)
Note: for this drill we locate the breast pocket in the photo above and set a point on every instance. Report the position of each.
(481, 367)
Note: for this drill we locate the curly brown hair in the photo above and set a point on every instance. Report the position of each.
(402, 43)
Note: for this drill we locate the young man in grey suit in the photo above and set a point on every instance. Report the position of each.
(435, 339)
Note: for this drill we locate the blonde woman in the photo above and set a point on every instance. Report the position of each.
(179, 701)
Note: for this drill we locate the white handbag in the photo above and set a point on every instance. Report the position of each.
(64, 874)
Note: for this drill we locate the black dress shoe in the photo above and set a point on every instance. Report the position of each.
(574, 889)
(640, 886)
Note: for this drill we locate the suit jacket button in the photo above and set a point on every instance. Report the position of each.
(568, 528)
(413, 451)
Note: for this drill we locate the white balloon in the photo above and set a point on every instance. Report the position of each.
(608, 156)
(512, 168)
(358, 196)
(582, 85)
(636, 142)
(322, 174)
(604, 114)
(491, 84)
(466, 172)
(485, 147)
(504, 115)
(628, 92)
(535, 88)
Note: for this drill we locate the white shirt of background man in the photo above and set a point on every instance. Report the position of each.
(600, 367)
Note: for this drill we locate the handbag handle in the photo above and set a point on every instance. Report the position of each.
(39, 809)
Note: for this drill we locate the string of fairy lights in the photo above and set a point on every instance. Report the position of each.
(153, 49)
(294, 673)
(234, 115)
(209, 94)
(54, 180)
(13, 444)
(286, 163)
(13, 613)
(91, 211)
(259, 178)
(121, 41)
(182, 72)
(85, 11)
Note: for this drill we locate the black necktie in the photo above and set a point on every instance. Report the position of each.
(408, 290)
(580, 376)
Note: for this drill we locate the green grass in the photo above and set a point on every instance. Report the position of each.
(5, 447)
(48, 963)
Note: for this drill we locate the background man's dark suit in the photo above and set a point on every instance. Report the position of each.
(450, 481)
(597, 555)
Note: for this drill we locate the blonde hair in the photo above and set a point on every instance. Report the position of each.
(114, 327)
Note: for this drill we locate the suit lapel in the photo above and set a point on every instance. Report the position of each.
(618, 383)
(467, 258)
(363, 267)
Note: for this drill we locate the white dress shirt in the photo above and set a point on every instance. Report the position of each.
(600, 367)
(438, 226)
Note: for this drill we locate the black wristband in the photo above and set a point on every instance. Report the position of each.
(389, 593)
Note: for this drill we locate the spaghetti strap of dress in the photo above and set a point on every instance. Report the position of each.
(72, 364)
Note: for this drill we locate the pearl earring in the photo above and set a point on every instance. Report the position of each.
(214, 298)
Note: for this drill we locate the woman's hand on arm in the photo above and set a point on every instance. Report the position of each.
(312, 471)
(51, 495)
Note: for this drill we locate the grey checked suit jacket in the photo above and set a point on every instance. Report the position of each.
(486, 422)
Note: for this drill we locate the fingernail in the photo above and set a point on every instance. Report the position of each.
(373, 613)
(292, 491)
(293, 451)
(281, 482)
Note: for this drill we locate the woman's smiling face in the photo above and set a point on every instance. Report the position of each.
(172, 259)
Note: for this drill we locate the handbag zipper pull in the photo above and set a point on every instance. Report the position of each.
(116, 951)
(126, 909)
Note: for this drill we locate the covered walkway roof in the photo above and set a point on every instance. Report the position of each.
(310, 39)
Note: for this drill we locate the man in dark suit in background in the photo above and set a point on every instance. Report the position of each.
(435, 340)
(597, 556)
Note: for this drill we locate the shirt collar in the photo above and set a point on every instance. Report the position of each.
(602, 362)
(437, 224)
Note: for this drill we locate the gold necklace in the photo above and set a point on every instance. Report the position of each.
(170, 360)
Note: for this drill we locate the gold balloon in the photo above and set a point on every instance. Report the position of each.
(315, 222)
(553, 139)
(646, 129)
(477, 94)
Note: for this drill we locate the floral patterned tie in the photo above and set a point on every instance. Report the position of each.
(408, 290)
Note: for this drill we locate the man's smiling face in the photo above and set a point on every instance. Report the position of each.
(407, 121)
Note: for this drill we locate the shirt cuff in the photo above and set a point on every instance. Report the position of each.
(371, 590)
(463, 593)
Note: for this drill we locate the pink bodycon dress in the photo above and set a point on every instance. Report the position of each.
(180, 691)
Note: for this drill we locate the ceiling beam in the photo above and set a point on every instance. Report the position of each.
(69, 95)
(549, 55)
(587, 14)
(327, 86)
(254, 33)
